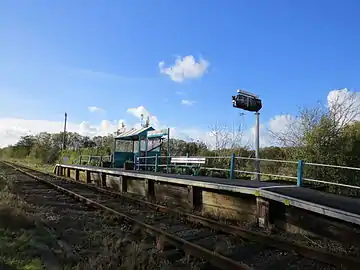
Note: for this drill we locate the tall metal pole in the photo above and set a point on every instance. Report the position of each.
(64, 134)
(168, 150)
(257, 145)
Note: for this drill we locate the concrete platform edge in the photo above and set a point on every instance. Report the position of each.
(258, 192)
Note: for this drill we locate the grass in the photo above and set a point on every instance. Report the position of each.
(37, 165)
(20, 234)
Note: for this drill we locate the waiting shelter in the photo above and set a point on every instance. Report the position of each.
(138, 147)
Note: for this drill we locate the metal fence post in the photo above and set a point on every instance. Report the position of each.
(156, 162)
(232, 165)
(300, 171)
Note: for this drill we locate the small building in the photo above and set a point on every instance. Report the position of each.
(138, 147)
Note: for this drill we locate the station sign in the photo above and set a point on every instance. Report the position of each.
(157, 133)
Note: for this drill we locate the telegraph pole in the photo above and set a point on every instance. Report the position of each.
(64, 134)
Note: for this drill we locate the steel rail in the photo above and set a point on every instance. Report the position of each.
(268, 240)
(214, 258)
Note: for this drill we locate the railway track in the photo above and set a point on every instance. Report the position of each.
(87, 238)
(222, 245)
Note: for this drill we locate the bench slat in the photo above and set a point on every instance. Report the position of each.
(188, 160)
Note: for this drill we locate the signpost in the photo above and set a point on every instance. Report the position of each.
(250, 102)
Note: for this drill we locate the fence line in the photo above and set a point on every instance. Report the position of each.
(153, 163)
(298, 172)
(332, 166)
(271, 160)
(332, 183)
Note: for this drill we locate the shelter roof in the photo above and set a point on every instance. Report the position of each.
(133, 134)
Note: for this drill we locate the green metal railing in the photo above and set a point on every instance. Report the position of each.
(236, 167)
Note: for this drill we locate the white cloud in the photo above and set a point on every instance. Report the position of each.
(337, 95)
(187, 102)
(142, 111)
(11, 129)
(185, 68)
(104, 128)
(277, 124)
(345, 104)
(180, 93)
(95, 109)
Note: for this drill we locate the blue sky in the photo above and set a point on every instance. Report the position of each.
(58, 56)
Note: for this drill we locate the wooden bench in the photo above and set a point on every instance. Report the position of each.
(193, 163)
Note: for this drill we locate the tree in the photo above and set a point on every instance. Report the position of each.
(23, 146)
(327, 135)
(221, 135)
(224, 138)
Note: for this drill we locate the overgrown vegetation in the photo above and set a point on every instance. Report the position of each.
(323, 134)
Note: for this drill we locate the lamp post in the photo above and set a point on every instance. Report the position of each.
(250, 102)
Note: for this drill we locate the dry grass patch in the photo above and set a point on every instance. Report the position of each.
(20, 236)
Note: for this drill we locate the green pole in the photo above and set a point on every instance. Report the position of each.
(138, 154)
(168, 151)
(113, 155)
(300, 172)
(156, 162)
(232, 166)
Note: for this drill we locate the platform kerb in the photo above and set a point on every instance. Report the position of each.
(263, 212)
(77, 175)
(150, 189)
(103, 179)
(220, 197)
(195, 197)
(174, 195)
(88, 177)
(136, 186)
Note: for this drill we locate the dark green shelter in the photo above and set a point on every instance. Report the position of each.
(137, 145)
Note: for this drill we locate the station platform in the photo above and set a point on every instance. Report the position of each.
(335, 206)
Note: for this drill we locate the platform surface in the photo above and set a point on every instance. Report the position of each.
(214, 180)
(197, 180)
(321, 202)
(347, 204)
